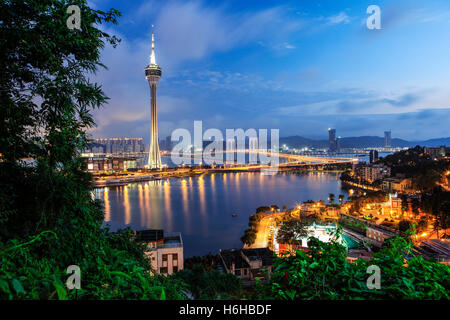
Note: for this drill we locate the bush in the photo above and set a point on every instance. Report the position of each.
(325, 273)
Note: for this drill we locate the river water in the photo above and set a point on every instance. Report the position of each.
(201, 208)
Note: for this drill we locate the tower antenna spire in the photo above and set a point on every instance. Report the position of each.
(152, 56)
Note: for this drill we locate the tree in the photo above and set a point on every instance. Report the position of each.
(292, 230)
(415, 204)
(405, 205)
(249, 237)
(48, 219)
(262, 209)
(331, 198)
(443, 217)
(404, 225)
(210, 285)
(341, 198)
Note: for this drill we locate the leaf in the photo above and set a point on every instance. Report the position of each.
(291, 294)
(119, 273)
(163, 294)
(313, 265)
(60, 290)
(17, 286)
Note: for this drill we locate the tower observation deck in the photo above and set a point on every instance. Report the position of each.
(153, 74)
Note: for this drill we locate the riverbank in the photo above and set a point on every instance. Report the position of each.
(360, 186)
(133, 177)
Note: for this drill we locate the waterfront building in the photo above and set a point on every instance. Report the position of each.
(109, 163)
(247, 264)
(387, 139)
(115, 146)
(166, 144)
(153, 74)
(165, 250)
(333, 144)
(374, 172)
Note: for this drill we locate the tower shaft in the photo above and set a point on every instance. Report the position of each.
(154, 157)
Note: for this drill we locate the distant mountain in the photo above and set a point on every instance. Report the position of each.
(360, 142)
(370, 141)
(301, 142)
(433, 142)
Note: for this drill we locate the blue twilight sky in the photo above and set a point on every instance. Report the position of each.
(301, 66)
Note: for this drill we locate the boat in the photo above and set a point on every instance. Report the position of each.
(234, 215)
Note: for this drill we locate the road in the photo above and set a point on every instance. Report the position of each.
(263, 229)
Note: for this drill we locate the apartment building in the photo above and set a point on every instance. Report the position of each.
(165, 250)
(373, 173)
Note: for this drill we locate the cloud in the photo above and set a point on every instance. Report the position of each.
(404, 100)
(356, 101)
(192, 31)
(339, 18)
(193, 37)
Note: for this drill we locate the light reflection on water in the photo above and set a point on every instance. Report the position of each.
(201, 207)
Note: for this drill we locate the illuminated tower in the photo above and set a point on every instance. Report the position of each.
(152, 74)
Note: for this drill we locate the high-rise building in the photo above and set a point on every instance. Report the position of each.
(153, 74)
(373, 156)
(115, 146)
(387, 139)
(169, 143)
(332, 141)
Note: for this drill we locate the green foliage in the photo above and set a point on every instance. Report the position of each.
(262, 209)
(249, 237)
(210, 285)
(208, 262)
(292, 230)
(48, 219)
(331, 198)
(44, 69)
(325, 273)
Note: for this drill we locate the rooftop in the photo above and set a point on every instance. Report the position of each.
(151, 235)
(236, 256)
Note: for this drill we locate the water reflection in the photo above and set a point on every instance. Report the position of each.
(167, 205)
(201, 207)
(106, 201)
(126, 204)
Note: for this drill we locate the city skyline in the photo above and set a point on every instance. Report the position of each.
(304, 153)
(280, 66)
